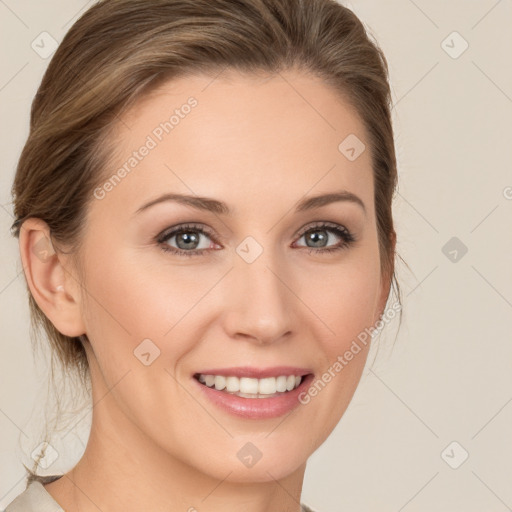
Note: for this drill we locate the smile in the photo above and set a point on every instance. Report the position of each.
(248, 387)
(254, 393)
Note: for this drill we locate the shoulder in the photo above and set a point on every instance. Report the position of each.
(35, 498)
(304, 508)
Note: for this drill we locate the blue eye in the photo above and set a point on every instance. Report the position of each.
(189, 237)
(325, 227)
(186, 235)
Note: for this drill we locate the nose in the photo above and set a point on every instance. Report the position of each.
(260, 304)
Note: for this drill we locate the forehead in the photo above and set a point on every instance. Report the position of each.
(236, 135)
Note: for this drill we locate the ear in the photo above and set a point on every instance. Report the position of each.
(54, 288)
(386, 282)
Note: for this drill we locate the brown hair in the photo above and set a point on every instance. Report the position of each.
(120, 49)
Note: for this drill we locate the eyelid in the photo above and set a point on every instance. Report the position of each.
(184, 227)
(206, 230)
(321, 224)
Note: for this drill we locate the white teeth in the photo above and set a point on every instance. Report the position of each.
(250, 387)
(267, 386)
(232, 384)
(220, 382)
(281, 383)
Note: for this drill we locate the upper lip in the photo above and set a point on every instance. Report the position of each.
(256, 373)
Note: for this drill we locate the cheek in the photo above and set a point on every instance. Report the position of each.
(347, 307)
(132, 298)
(130, 301)
(137, 300)
(345, 300)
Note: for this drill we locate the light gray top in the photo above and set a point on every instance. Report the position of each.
(35, 498)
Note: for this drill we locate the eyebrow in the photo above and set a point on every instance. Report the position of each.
(218, 207)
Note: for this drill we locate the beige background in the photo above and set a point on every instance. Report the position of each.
(448, 377)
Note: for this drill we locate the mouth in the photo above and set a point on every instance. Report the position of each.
(254, 393)
(249, 387)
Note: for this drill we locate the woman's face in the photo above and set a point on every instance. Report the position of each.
(253, 285)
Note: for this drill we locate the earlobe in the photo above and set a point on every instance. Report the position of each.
(51, 284)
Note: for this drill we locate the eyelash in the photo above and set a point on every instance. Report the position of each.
(341, 232)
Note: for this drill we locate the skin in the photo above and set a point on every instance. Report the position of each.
(259, 144)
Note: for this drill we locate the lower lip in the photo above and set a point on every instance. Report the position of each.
(256, 408)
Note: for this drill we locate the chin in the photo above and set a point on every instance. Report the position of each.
(256, 459)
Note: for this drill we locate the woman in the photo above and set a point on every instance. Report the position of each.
(203, 208)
